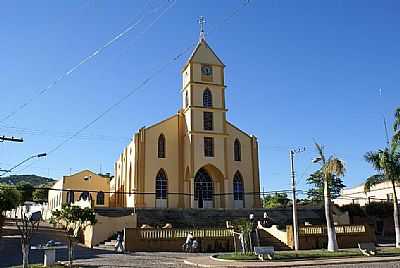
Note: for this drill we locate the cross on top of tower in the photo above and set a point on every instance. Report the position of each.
(202, 22)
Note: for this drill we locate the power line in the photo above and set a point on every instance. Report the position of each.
(134, 192)
(77, 66)
(62, 134)
(130, 93)
(118, 102)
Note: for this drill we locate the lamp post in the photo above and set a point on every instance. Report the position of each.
(26, 160)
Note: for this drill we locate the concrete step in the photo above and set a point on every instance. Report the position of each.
(103, 247)
(110, 243)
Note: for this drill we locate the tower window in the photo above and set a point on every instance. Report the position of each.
(208, 120)
(237, 151)
(207, 98)
(186, 99)
(208, 147)
(161, 146)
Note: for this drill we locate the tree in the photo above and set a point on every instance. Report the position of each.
(26, 190)
(28, 224)
(9, 199)
(330, 168)
(387, 163)
(276, 200)
(73, 220)
(245, 228)
(316, 193)
(41, 193)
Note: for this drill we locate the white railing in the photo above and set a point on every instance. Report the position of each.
(340, 229)
(182, 233)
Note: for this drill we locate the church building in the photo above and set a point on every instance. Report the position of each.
(195, 158)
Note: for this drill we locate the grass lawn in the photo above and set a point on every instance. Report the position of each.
(310, 254)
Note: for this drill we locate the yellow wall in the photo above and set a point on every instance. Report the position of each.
(105, 227)
(217, 77)
(170, 163)
(244, 166)
(77, 183)
(184, 135)
(93, 183)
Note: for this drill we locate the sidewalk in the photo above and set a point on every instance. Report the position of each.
(206, 261)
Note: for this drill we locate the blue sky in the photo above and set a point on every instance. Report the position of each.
(296, 71)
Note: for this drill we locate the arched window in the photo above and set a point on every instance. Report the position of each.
(203, 186)
(85, 196)
(237, 151)
(238, 189)
(100, 198)
(161, 185)
(207, 98)
(186, 99)
(161, 146)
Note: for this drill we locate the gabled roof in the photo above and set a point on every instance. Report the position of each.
(204, 54)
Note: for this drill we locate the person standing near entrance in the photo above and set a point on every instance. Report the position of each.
(119, 247)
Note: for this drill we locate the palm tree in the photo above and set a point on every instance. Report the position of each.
(387, 163)
(330, 167)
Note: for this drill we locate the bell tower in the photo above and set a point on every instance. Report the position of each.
(203, 106)
(203, 89)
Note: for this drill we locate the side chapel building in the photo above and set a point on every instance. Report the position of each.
(195, 158)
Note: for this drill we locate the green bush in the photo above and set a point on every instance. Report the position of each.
(353, 210)
(379, 209)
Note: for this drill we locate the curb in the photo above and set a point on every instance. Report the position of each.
(337, 261)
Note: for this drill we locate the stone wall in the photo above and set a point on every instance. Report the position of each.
(203, 218)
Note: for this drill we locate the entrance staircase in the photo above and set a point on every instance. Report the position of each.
(268, 240)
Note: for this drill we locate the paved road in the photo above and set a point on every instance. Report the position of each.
(10, 254)
(371, 265)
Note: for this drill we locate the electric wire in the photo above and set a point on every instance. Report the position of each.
(125, 97)
(97, 52)
(142, 84)
(62, 134)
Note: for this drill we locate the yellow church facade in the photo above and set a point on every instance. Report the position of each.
(195, 158)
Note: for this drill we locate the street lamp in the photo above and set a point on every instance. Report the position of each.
(26, 160)
(316, 160)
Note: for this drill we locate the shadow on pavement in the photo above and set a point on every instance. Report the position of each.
(10, 247)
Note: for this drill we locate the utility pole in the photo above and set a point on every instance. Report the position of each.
(293, 175)
(4, 138)
(12, 139)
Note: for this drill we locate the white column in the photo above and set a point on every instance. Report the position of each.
(49, 257)
(193, 203)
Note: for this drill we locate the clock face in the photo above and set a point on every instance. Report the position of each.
(206, 70)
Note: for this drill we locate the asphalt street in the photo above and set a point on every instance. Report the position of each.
(10, 254)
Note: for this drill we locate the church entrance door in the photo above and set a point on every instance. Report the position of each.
(203, 189)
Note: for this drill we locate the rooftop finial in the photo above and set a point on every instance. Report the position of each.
(202, 22)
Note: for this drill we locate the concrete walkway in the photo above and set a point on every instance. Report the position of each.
(206, 261)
